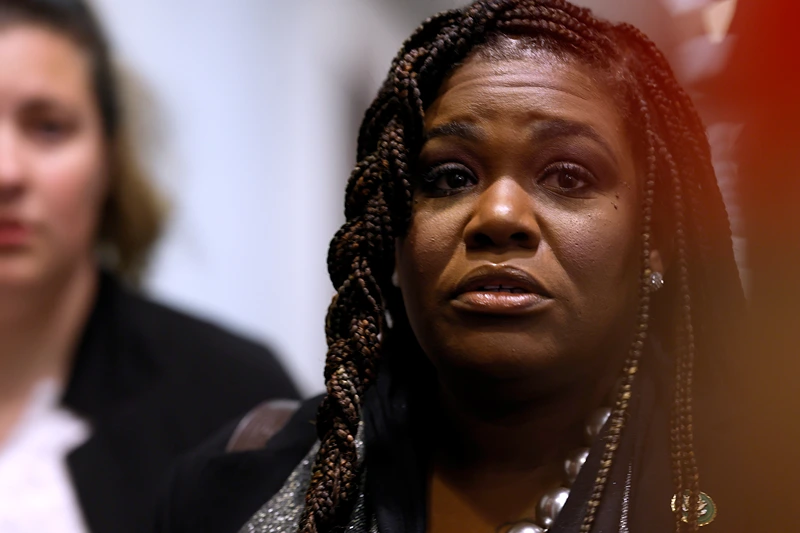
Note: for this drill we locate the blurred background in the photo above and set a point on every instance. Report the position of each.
(246, 113)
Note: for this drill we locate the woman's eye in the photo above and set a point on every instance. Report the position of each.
(566, 178)
(447, 179)
(49, 130)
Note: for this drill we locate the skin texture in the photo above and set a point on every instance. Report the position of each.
(52, 155)
(527, 164)
(52, 185)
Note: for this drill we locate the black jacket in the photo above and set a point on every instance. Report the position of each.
(212, 491)
(153, 383)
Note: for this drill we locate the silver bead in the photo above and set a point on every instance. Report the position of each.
(596, 422)
(550, 505)
(574, 462)
(656, 281)
(525, 527)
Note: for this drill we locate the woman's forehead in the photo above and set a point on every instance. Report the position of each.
(40, 62)
(518, 94)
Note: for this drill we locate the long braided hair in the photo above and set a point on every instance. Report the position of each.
(680, 199)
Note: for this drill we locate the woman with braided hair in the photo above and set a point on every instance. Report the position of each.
(535, 284)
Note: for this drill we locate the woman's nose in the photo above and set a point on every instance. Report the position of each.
(504, 218)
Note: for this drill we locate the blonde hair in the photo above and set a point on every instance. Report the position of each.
(133, 216)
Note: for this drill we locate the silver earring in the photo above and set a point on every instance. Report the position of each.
(395, 279)
(656, 281)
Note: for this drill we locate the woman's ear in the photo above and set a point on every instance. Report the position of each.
(661, 253)
(657, 263)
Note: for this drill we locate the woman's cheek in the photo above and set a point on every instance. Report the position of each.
(598, 246)
(74, 193)
(433, 239)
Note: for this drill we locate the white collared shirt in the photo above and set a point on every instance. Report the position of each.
(36, 491)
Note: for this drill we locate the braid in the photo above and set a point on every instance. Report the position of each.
(684, 465)
(378, 209)
(353, 330)
(562, 21)
(618, 415)
(695, 185)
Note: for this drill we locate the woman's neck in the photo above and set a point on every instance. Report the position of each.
(501, 452)
(39, 327)
(517, 435)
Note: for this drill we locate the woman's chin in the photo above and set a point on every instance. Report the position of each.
(22, 273)
(503, 368)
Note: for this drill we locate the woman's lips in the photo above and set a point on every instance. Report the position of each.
(500, 302)
(500, 290)
(13, 234)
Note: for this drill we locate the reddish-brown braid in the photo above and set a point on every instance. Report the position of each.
(676, 161)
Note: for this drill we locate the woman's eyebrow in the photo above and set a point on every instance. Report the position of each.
(554, 128)
(463, 130)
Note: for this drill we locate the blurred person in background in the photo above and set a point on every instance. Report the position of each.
(100, 388)
(537, 301)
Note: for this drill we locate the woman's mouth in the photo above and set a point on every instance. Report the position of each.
(13, 234)
(500, 290)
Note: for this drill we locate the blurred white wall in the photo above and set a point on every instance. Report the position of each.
(246, 112)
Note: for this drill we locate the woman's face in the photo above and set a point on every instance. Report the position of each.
(522, 258)
(52, 155)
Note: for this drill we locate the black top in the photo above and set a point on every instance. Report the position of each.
(216, 492)
(153, 383)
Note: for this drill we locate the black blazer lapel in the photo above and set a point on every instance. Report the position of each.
(102, 488)
(110, 378)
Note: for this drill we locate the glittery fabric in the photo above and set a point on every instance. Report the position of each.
(626, 500)
(282, 513)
